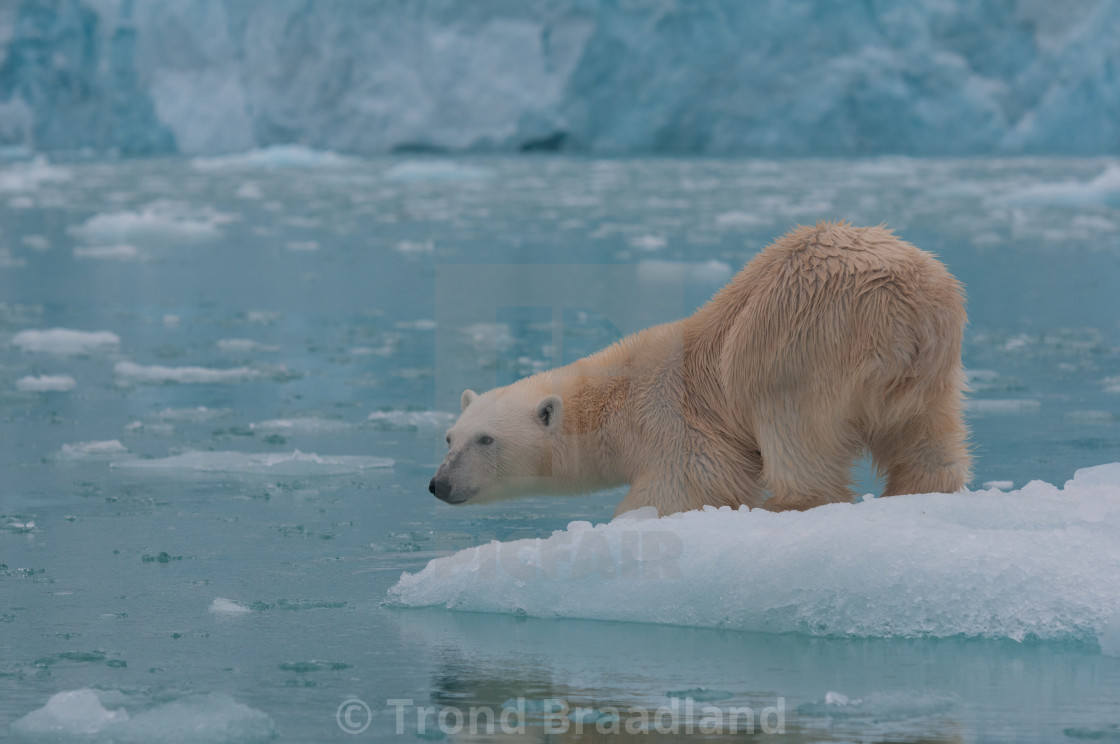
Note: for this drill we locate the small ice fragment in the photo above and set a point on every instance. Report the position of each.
(260, 463)
(223, 606)
(80, 450)
(46, 383)
(74, 713)
(649, 242)
(65, 341)
(1004, 405)
(119, 252)
(130, 372)
(1001, 485)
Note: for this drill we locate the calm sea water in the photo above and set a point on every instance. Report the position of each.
(266, 306)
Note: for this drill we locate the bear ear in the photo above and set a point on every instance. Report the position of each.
(549, 411)
(467, 399)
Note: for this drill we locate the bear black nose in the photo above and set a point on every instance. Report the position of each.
(441, 489)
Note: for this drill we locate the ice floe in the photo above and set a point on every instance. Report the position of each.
(131, 373)
(294, 463)
(46, 383)
(93, 450)
(159, 222)
(65, 341)
(274, 157)
(412, 419)
(119, 252)
(436, 170)
(1040, 562)
(300, 425)
(87, 715)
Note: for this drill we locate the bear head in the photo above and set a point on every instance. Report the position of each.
(502, 446)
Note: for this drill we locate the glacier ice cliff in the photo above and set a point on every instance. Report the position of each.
(767, 77)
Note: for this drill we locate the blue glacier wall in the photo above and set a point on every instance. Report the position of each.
(758, 77)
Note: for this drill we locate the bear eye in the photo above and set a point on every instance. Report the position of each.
(486, 439)
(448, 439)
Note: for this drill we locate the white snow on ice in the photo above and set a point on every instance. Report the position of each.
(106, 716)
(1038, 562)
(130, 372)
(294, 463)
(46, 383)
(65, 341)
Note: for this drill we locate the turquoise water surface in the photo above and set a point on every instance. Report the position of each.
(205, 504)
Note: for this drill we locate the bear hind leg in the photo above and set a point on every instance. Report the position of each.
(802, 473)
(928, 453)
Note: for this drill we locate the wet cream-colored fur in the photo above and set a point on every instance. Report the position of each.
(834, 341)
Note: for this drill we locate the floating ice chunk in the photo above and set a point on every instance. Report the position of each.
(302, 246)
(436, 170)
(423, 324)
(412, 419)
(274, 157)
(46, 383)
(103, 716)
(1000, 485)
(1102, 191)
(1003, 405)
(66, 341)
(303, 425)
(1103, 475)
(262, 463)
(978, 564)
(896, 705)
(674, 271)
(193, 415)
(36, 242)
(489, 338)
(649, 242)
(131, 373)
(415, 247)
(29, 176)
(223, 606)
(85, 450)
(244, 345)
(120, 252)
(729, 220)
(158, 222)
(75, 713)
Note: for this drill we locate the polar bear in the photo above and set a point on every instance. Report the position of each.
(834, 341)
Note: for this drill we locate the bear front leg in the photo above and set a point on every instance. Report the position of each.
(641, 494)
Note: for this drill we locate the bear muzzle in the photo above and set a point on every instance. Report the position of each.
(441, 488)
